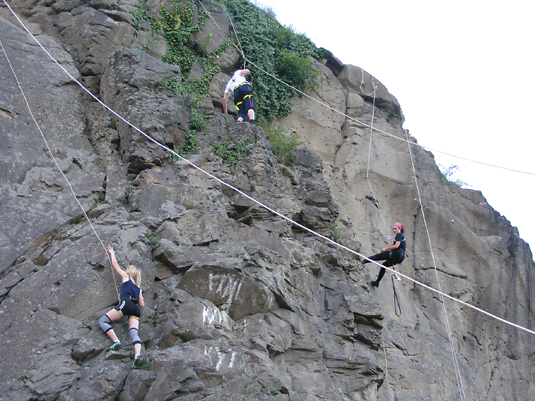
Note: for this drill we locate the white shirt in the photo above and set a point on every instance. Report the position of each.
(236, 79)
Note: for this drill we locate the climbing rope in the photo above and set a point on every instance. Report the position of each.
(450, 337)
(375, 86)
(56, 162)
(385, 226)
(397, 305)
(378, 208)
(239, 47)
(330, 241)
(240, 50)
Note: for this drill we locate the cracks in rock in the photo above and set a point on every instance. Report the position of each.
(281, 302)
(403, 350)
(372, 200)
(365, 340)
(369, 320)
(6, 113)
(242, 214)
(77, 162)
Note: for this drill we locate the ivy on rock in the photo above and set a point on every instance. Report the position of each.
(266, 43)
(278, 51)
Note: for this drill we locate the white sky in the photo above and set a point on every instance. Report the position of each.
(463, 72)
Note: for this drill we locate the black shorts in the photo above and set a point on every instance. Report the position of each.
(129, 308)
(244, 100)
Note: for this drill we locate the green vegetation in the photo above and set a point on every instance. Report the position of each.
(78, 219)
(278, 51)
(153, 240)
(231, 152)
(336, 235)
(101, 196)
(272, 47)
(448, 174)
(283, 145)
(190, 146)
(177, 27)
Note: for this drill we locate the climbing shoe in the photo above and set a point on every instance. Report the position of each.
(138, 362)
(116, 345)
(374, 284)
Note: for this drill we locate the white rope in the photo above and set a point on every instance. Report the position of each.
(448, 330)
(380, 214)
(332, 242)
(369, 162)
(55, 161)
(240, 49)
(362, 89)
(355, 119)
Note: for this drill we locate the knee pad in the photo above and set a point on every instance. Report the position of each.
(104, 323)
(134, 336)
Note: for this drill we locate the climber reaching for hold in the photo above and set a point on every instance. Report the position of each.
(243, 95)
(131, 302)
(392, 254)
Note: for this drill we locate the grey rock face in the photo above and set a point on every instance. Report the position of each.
(240, 304)
(133, 82)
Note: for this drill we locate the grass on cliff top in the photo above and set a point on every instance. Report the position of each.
(283, 144)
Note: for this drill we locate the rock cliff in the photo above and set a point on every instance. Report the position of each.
(240, 304)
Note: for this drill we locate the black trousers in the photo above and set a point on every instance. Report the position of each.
(389, 260)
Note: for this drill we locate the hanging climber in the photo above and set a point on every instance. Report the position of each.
(243, 95)
(392, 254)
(131, 302)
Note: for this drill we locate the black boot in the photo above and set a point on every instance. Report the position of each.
(375, 283)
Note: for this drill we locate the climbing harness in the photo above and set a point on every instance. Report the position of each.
(247, 97)
(243, 101)
(243, 83)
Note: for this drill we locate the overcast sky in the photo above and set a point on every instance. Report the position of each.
(463, 73)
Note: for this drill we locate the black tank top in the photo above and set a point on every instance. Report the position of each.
(129, 290)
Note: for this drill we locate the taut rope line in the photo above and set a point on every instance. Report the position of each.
(334, 243)
(56, 163)
(380, 213)
(450, 337)
(352, 118)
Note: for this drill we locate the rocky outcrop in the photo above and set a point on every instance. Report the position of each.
(133, 82)
(240, 304)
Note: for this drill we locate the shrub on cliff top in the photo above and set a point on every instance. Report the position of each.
(278, 51)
